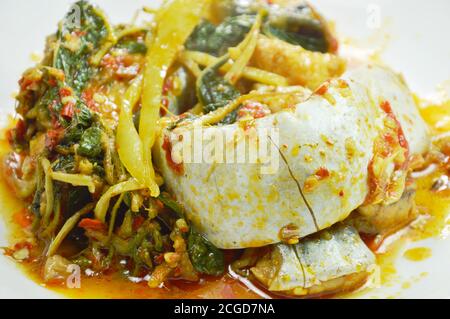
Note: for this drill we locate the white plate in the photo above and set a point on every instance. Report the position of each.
(411, 31)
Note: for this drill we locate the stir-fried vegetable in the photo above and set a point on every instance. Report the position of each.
(92, 113)
(300, 27)
(295, 22)
(170, 35)
(77, 43)
(243, 52)
(67, 227)
(129, 145)
(90, 143)
(216, 40)
(206, 258)
(214, 91)
(103, 203)
(249, 73)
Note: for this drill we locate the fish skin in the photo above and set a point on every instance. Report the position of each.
(386, 219)
(236, 206)
(310, 266)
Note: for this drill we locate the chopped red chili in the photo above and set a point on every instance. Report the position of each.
(92, 224)
(167, 147)
(322, 173)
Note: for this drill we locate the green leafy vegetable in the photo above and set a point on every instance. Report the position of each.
(181, 94)
(64, 164)
(83, 119)
(299, 25)
(78, 197)
(82, 32)
(172, 204)
(133, 46)
(307, 35)
(295, 22)
(84, 115)
(90, 143)
(205, 257)
(216, 40)
(214, 91)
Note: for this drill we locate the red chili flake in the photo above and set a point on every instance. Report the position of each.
(386, 107)
(23, 218)
(79, 33)
(17, 247)
(65, 92)
(402, 139)
(137, 222)
(23, 244)
(159, 259)
(20, 129)
(68, 110)
(341, 193)
(53, 137)
(322, 173)
(92, 224)
(389, 138)
(87, 96)
(254, 109)
(109, 61)
(118, 63)
(25, 83)
(167, 147)
(322, 89)
(52, 82)
(55, 123)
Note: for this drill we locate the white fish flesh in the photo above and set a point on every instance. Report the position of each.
(324, 149)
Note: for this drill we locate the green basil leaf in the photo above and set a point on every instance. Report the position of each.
(214, 91)
(205, 257)
(90, 143)
(216, 40)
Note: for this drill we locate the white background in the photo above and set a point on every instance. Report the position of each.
(417, 44)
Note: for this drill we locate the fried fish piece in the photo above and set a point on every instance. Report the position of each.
(299, 66)
(332, 260)
(317, 163)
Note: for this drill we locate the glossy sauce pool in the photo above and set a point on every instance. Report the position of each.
(435, 205)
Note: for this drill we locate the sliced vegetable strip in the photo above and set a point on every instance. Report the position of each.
(103, 203)
(129, 146)
(250, 73)
(243, 52)
(70, 224)
(75, 180)
(175, 23)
